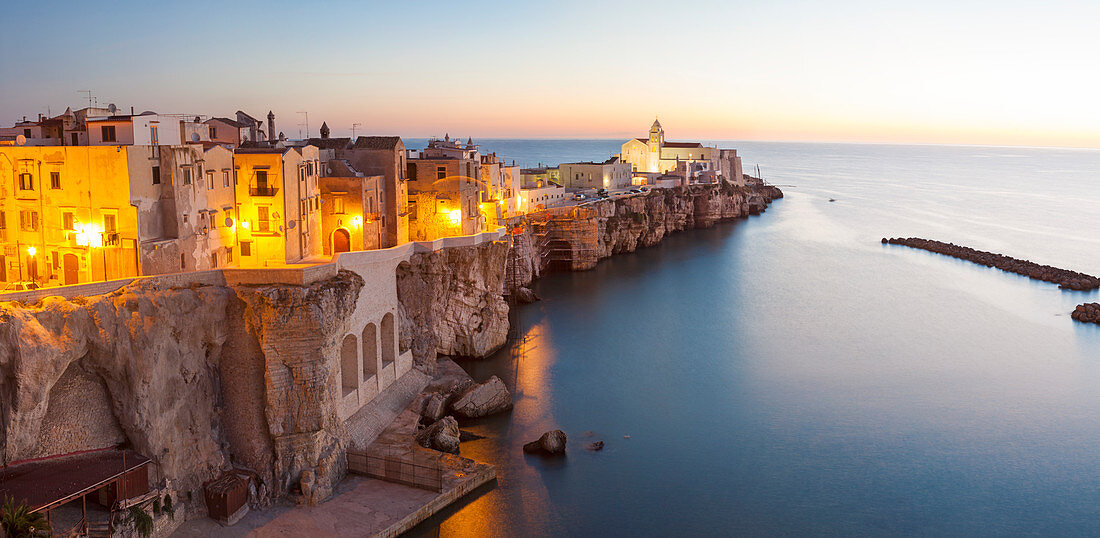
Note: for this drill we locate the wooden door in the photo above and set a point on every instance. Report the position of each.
(341, 241)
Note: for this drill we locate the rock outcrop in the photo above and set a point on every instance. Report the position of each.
(1087, 313)
(483, 399)
(443, 436)
(451, 303)
(198, 379)
(136, 366)
(552, 443)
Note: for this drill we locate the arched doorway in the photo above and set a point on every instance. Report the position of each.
(341, 241)
(72, 268)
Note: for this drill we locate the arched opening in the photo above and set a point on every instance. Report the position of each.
(370, 351)
(349, 364)
(341, 241)
(388, 336)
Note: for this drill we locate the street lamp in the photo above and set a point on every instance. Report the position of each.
(32, 274)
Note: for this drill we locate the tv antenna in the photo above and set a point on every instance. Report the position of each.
(353, 126)
(88, 95)
(306, 124)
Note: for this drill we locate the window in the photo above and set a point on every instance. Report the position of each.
(55, 180)
(213, 219)
(107, 132)
(338, 205)
(28, 220)
(3, 226)
(213, 132)
(229, 255)
(234, 176)
(56, 260)
(156, 175)
(214, 260)
(76, 139)
(27, 133)
(26, 182)
(411, 171)
(440, 172)
(261, 179)
(153, 138)
(225, 178)
(246, 248)
(109, 224)
(185, 218)
(67, 221)
(262, 222)
(186, 176)
(210, 181)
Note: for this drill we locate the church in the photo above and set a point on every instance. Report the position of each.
(656, 155)
(693, 160)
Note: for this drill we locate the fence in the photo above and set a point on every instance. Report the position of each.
(429, 477)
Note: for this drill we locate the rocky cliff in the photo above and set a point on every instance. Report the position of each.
(451, 302)
(198, 379)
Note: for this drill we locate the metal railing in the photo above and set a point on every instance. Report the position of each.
(263, 190)
(428, 477)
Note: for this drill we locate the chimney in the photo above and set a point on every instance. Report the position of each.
(270, 125)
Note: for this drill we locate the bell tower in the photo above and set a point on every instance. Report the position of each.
(656, 135)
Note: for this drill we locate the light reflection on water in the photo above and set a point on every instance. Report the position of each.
(789, 374)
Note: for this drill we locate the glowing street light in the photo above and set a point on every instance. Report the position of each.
(357, 221)
(455, 215)
(31, 251)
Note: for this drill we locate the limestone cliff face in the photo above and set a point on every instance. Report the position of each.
(198, 379)
(627, 223)
(451, 302)
(291, 336)
(136, 365)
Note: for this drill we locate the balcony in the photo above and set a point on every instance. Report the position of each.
(262, 189)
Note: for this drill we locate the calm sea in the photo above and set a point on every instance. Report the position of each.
(788, 374)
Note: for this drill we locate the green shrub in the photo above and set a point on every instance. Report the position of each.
(17, 520)
(143, 523)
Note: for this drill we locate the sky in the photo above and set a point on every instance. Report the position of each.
(953, 72)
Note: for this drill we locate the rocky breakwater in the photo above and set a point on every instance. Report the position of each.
(1087, 313)
(1065, 278)
(451, 303)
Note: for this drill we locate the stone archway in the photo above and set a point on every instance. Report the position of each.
(349, 364)
(341, 241)
(370, 351)
(389, 334)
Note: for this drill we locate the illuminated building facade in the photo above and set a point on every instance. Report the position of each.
(66, 215)
(278, 215)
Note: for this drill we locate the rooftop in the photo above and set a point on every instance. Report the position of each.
(376, 142)
(43, 482)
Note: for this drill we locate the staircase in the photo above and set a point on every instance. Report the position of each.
(98, 529)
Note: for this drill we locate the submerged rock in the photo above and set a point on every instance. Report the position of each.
(443, 436)
(525, 295)
(484, 399)
(552, 443)
(598, 445)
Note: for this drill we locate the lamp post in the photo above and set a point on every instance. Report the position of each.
(32, 271)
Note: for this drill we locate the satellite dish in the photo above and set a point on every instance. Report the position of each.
(228, 222)
(195, 137)
(20, 140)
(290, 225)
(112, 108)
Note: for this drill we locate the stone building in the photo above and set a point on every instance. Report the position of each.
(227, 131)
(611, 174)
(445, 191)
(66, 215)
(379, 156)
(350, 210)
(655, 155)
(278, 204)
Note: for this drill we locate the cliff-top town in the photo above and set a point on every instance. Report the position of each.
(202, 317)
(96, 194)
